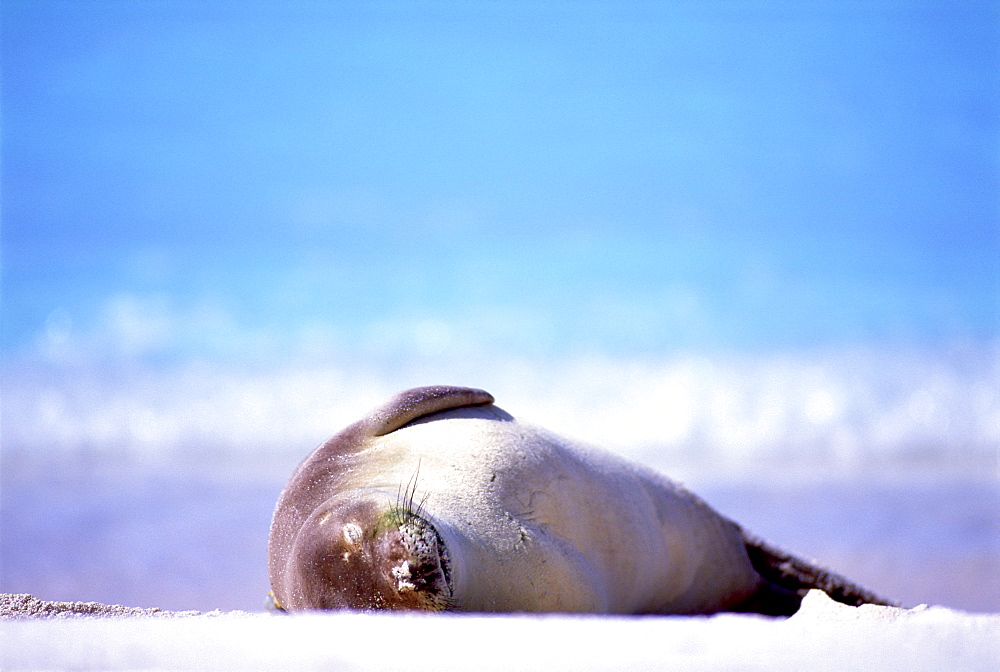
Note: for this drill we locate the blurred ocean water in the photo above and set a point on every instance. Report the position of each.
(157, 489)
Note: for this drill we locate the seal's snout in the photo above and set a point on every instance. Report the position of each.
(417, 563)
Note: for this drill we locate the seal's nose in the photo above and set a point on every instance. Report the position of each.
(417, 563)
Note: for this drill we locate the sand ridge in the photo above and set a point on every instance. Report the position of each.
(16, 606)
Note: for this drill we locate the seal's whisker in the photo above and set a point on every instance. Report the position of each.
(411, 491)
(420, 506)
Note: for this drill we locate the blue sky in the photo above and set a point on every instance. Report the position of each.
(211, 179)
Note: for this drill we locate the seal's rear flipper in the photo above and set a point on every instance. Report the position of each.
(789, 578)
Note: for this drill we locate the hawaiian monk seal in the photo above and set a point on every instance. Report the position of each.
(440, 500)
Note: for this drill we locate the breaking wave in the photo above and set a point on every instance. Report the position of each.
(846, 409)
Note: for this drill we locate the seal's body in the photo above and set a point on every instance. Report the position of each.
(440, 500)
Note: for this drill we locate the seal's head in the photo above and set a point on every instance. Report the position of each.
(367, 555)
(339, 541)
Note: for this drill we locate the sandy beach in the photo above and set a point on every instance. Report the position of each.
(823, 635)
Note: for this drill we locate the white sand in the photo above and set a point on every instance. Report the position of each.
(824, 635)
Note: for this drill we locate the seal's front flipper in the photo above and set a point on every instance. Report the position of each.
(272, 604)
(407, 406)
(399, 410)
(789, 578)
